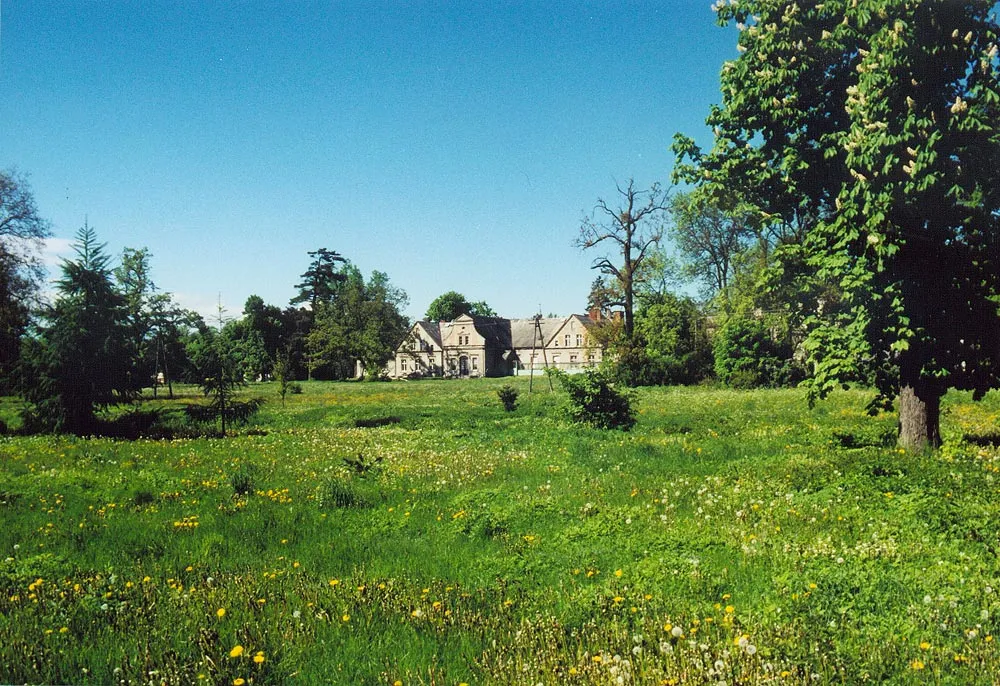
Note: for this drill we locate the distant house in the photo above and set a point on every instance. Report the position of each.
(494, 346)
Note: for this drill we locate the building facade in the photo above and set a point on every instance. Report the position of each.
(494, 346)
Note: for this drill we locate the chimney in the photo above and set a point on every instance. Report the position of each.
(595, 314)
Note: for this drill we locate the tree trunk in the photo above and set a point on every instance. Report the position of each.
(919, 416)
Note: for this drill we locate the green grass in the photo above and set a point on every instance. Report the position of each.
(784, 545)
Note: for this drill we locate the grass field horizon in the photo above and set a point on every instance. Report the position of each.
(415, 533)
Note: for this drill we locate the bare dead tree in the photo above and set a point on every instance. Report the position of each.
(632, 228)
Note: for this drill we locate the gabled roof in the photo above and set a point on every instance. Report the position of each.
(496, 331)
(522, 331)
(433, 330)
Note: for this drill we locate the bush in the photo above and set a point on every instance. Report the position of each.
(747, 355)
(363, 466)
(295, 388)
(508, 396)
(595, 401)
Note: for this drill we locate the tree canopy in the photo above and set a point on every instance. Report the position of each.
(874, 126)
(448, 306)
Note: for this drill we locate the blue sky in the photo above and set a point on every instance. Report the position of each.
(452, 145)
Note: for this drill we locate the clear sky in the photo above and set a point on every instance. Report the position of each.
(452, 145)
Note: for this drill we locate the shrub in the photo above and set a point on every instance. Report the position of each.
(747, 355)
(375, 422)
(595, 401)
(295, 388)
(508, 396)
(363, 466)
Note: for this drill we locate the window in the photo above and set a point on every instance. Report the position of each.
(402, 364)
(572, 360)
(555, 360)
(475, 363)
(567, 340)
(579, 340)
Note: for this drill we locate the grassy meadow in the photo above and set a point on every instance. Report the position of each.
(415, 533)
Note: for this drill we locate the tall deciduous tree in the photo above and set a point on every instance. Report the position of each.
(363, 323)
(21, 230)
(448, 306)
(710, 240)
(632, 228)
(879, 123)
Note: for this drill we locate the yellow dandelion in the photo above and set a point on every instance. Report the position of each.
(238, 681)
(236, 651)
(397, 682)
(334, 582)
(730, 609)
(220, 613)
(618, 573)
(346, 618)
(924, 645)
(259, 658)
(917, 664)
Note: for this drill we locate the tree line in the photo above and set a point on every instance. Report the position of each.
(109, 332)
(848, 209)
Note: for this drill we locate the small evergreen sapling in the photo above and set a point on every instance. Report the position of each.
(508, 396)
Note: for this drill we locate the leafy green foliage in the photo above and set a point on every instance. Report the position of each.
(451, 305)
(594, 400)
(363, 466)
(282, 373)
(875, 128)
(749, 355)
(361, 323)
(21, 273)
(221, 378)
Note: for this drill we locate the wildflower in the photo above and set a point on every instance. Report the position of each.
(238, 681)
(236, 651)
(346, 618)
(259, 658)
(917, 665)
(676, 632)
(334, 582)
(924, 645)
(220, 613)
(618, 573)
